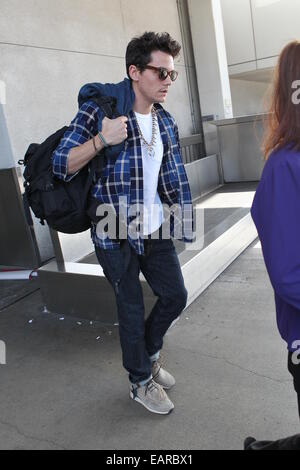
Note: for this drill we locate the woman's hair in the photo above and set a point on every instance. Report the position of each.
(282, 124)
(139, 49)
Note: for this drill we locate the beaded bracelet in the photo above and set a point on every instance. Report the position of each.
(96, 150)
(103, 140)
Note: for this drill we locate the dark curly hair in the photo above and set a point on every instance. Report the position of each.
(139, 49)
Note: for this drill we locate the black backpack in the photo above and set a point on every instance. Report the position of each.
(62, 204)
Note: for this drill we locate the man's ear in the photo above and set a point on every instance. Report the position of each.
(134, 73)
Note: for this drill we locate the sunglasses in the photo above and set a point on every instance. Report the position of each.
(163, 73)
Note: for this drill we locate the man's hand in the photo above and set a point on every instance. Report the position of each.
(114, 131)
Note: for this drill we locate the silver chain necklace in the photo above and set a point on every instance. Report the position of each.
(150, 146)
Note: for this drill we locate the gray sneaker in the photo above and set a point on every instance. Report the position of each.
(161, 376)
(153, 397)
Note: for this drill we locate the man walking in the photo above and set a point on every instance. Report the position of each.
(142, 164)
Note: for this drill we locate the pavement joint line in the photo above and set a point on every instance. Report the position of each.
(18, 300)
(238, 366)
(13, 426)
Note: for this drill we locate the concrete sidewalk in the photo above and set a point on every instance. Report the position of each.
(64, 387)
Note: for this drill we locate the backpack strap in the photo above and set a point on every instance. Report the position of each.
(108, 105)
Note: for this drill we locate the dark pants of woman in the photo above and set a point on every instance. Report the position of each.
(294, 369)
(290, 442)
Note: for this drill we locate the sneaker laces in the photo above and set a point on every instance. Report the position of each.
(152, 386)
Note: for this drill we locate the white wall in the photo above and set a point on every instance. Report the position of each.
(6, 155)
(248, 97)
(238, 24)
(49, 49)
(206, 57)
(211, 65)
(257, 30)
(275, 22)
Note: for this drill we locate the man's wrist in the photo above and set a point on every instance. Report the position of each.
(98, 143)
(102, 139)
(96, 147)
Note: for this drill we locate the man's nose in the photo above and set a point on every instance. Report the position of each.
(168, 81)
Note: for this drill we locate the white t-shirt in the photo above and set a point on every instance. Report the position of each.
(153, 210)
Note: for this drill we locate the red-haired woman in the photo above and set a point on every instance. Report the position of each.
(276, 206)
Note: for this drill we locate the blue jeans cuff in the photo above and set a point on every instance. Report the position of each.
(142, 383)
(154, 357)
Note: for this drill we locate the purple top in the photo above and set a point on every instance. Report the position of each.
(276, 214)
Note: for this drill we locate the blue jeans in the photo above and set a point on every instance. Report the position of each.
(140, 339)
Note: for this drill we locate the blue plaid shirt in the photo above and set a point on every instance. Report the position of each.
(123, 175)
